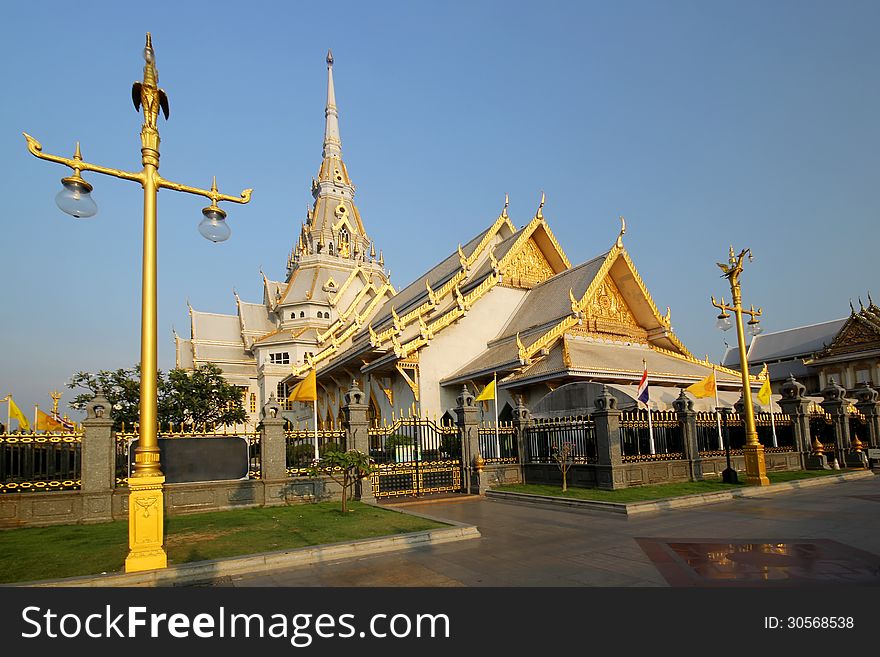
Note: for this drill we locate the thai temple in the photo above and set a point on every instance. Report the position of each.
(504, 303)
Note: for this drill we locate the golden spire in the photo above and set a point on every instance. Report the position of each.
(381, 259)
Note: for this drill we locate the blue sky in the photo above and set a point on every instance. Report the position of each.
(704, 123)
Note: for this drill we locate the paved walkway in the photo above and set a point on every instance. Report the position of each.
(825, 535)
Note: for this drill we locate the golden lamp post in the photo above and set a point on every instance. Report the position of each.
(145, 502)
(753, 451)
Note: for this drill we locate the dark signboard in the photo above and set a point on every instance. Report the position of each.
(200, 459)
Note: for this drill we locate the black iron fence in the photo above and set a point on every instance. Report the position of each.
(545, 436)
(415, 456)
(40, 462)
(300, 447)
(636, 436)
(498, 444)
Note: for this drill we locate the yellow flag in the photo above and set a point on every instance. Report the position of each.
(14, 411)
(704, 387)
(46, 422)
(306, 390)
(764, 392)
(488, 392)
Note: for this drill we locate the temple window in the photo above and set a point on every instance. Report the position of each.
(280, 358)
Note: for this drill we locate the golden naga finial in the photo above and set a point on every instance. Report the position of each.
(432, 297)
(424, 331)
(462, 259)
(374, 337)
(575, 306)
(668, 318)
(398, 325)
(459, 299)
(521, 349)
(146, 93)
(622, 232)
(540, 213)
(506, 203)
(492, 259)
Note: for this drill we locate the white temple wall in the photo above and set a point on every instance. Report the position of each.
(460, 343)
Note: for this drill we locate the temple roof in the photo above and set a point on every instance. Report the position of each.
(786, 344)
(585, 357)
(548, 302)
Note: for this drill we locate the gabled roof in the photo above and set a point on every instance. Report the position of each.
(547, 303)
(801, 341)
(860, 332)
(586, 357)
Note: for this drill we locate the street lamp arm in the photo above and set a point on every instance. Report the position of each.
(77, 164)
(212, 194)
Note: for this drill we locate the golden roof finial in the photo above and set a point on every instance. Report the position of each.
(372, 249)
(506, 203)
(574, 302)
(540, 214)
(462, 259)
(622, 232)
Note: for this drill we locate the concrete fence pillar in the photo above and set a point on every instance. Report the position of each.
(609, 474)
(687, 420)
(834, 403)
(522, 420)
(98, 474)
(467, 420)
(357, 432)
(794, 404)
(273, 453)
(869, 406)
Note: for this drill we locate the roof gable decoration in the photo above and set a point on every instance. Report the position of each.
(860, 330)
(602, 299)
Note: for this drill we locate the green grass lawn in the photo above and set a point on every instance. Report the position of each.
(656, 491)
(37, 553)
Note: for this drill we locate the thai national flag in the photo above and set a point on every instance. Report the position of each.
(643, 387)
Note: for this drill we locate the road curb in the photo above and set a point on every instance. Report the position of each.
(202, 571)
(683, 502)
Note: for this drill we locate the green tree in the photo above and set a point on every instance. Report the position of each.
(191, 399)
(345, 468)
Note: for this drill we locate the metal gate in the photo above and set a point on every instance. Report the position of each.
(415, 456)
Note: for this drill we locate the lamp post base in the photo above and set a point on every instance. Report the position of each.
(756, 470)
(145, 524)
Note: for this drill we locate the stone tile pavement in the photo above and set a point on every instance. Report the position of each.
(809, 537)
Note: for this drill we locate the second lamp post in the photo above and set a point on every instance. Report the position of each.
(753, 451)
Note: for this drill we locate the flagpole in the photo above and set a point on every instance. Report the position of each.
(35, 417)
(315, 412)
(772, 421)
(651, 447)
(717, 405)
(497, 442)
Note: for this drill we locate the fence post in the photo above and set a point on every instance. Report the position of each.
(796, 405)
(687, 420)
(273, 453)
(98, 466)
(357, 428)
(469, 427)
(835, 404)
(869, 406)
(607, 422)
(522, 418)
